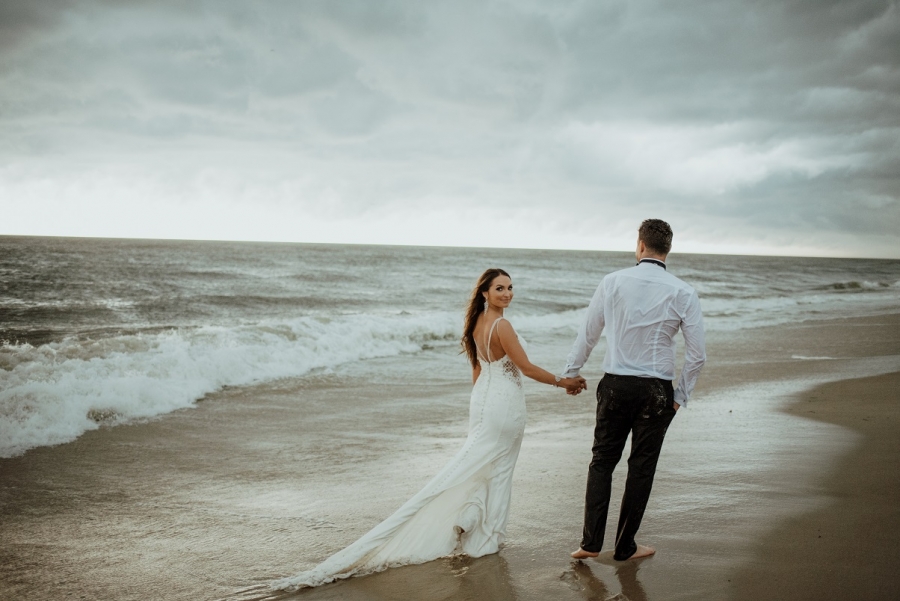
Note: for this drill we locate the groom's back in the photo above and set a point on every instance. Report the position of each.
(643, 308)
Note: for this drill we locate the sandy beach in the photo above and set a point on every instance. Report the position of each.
(778, 482)
(846, 548)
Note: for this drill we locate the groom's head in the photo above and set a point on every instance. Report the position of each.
(656, 237)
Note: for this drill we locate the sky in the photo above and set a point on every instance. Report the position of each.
(753, 127)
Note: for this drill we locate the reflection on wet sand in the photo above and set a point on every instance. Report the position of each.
(458, 578)
(594, 589)
(627, 574)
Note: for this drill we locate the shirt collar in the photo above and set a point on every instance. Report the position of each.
(652, 262)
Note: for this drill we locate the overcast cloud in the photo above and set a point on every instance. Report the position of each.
(765, 126)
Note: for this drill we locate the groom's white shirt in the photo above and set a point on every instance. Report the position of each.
(642, 308)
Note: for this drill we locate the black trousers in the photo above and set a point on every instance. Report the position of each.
(645, 408)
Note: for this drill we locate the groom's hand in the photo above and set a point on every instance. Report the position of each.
(578, 384)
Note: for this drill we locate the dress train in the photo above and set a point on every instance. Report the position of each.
(464, 508)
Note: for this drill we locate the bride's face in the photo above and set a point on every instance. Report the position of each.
(500, 293)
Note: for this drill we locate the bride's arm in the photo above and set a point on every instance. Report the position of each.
(513, 348)
(476, 371)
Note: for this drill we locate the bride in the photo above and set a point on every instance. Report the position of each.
(465, 507)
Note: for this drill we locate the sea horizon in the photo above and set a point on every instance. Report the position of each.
(674, 252)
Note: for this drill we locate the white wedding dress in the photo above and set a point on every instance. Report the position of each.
(464, 508)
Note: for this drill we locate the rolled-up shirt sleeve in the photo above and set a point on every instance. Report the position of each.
(588, 335)
(694, 349)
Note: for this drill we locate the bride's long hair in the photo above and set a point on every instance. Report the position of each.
(476, 308)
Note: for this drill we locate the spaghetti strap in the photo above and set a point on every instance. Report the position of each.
(490, 334)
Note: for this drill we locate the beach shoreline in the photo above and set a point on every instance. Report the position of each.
(245, 487)
(845, 549)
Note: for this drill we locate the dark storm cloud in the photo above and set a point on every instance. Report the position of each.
(777, 120)
(21, 19)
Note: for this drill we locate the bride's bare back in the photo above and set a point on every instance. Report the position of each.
(482, 334)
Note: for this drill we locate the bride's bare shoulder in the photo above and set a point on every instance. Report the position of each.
(504, 326)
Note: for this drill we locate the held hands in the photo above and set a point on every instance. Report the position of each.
(574, 385)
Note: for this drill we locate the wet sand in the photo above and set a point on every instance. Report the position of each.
(251, 485)
(847, 548)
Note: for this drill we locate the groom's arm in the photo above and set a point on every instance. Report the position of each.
(588, 335)
(694, 350)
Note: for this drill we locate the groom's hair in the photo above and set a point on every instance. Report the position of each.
(656, 235)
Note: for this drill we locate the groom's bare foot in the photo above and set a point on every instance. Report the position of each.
(642, 551)
(582, 554)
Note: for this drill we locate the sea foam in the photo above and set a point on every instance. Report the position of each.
(52, 393)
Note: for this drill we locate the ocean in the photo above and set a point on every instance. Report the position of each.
(101, 332)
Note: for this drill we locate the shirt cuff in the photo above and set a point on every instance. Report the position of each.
(680, 398)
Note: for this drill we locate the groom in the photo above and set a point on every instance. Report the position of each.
(641, 308)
